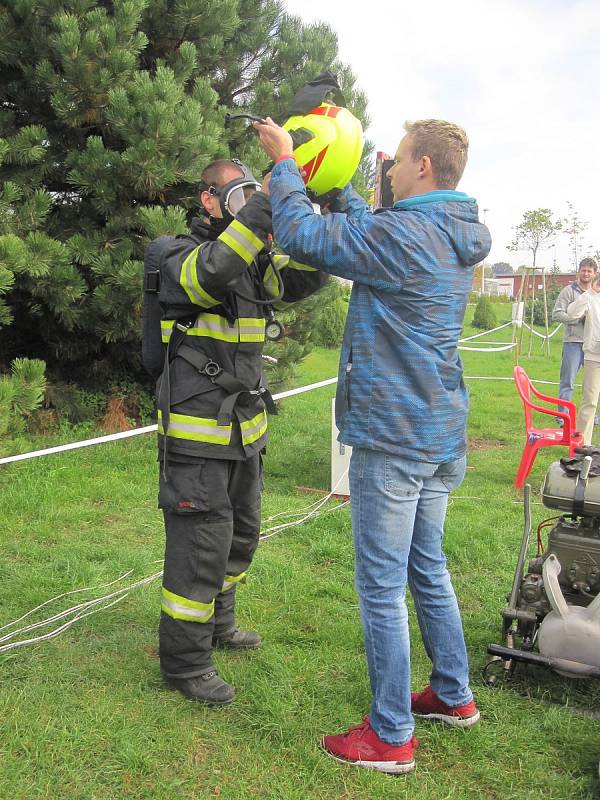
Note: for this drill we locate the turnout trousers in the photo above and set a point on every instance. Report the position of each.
(211, 509)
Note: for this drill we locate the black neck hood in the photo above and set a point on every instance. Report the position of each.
(208, 228)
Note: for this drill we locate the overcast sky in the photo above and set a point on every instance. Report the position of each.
(521, 77)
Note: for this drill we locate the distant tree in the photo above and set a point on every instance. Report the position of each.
(484, 316)
(536, 231)
(573, 227)
(501, 268)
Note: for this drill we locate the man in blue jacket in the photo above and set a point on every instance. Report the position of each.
(402, 405)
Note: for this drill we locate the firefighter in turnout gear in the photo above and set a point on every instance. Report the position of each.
(216, 289)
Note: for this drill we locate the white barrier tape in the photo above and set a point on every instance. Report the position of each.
(489, 349)
(477, 335)
(541, 335)
(499, 378)
(302, 389)
(113, 437)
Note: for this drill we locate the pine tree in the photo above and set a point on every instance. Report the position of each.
(110, 112)
(21, 392)
(484, 316)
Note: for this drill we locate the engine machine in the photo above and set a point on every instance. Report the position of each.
(553, 613)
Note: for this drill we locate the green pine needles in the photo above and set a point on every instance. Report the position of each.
(110, 112)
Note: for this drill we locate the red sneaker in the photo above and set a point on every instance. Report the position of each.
(428, 705)
(362, 747)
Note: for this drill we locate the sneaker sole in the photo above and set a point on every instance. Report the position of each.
(391, 767)
(456, 722)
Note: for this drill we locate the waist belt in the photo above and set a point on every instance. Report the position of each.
(236, 390)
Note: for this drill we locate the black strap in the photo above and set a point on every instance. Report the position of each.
(313, 93)
(233, 386)
(579, 496)
(164, 396)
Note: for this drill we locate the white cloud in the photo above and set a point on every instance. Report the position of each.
(521, 77)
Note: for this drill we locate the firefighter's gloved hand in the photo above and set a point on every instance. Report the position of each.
(256, 215)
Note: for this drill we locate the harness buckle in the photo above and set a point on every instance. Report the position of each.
(212, 370)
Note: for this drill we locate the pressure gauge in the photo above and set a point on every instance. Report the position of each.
(273, 330)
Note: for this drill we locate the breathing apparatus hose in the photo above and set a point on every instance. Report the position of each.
(270, 300)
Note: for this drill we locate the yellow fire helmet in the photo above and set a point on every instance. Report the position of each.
(328, 144)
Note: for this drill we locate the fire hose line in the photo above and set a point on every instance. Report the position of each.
(85, 609)
(104, 602)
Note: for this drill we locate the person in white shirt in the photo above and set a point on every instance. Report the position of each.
(588, 305)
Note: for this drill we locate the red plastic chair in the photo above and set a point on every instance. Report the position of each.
(543, 437)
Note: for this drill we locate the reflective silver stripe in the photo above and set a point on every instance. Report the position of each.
(231, 580)
(241, 240)
(189, 281)
(198, 429)
(254, 428)
(192, 611)
(213, 326)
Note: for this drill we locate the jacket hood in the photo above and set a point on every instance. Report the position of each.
(459, 220)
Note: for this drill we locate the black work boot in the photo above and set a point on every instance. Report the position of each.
(238, 640)
(207, 688)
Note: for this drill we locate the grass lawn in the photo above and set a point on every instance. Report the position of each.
(85, 715)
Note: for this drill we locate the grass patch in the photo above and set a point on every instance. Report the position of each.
(85, 716)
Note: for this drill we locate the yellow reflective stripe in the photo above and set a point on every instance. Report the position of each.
(213, 326)
(252, 329)
(247, 234)
(197, 429)
(242, 241)
(301, 267)
(254, 428)
(270, 281)
(180, 607)
(166, 329)
(189, 281)
(282, 261)
(231, 580)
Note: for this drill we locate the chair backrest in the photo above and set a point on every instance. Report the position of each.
(524, 389)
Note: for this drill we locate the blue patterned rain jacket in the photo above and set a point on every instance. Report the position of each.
(400, 387)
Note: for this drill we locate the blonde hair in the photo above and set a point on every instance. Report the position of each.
(446, 145)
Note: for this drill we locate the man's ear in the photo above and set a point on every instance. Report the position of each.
(425, 170)
(207, 201)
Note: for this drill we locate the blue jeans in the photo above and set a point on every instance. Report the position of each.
(398, 512)
(572, 362)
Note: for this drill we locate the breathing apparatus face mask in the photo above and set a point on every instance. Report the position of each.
(234, 195)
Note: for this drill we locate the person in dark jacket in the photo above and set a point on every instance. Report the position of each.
(218, 287)
(402, 405)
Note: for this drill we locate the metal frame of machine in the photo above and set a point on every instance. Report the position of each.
(553, 614)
